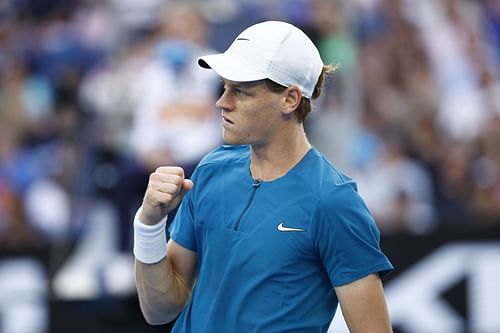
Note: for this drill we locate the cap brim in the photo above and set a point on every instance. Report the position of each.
(229, 68)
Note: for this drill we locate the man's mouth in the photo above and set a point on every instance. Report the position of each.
(226, 120)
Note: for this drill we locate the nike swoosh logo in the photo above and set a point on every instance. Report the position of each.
(241, 38)
(281, 227)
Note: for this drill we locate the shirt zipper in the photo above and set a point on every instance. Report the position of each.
(255, 184)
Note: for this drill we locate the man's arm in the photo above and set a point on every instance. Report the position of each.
(363, 305)
(164, 280)
(164, 287)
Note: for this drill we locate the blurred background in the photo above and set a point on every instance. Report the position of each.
(95, 94)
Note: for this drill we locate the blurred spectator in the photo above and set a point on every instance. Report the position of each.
(398, 189)
(406, 68)
(453, 41)
(151, 106)
(14, 229)
(336, 119)
(176, 122)
(454, 186)
(486, 176)
(156, 107)
(491, 9)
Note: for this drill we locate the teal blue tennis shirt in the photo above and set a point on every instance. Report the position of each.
(271, 252)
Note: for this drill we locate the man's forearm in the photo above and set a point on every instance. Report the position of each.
(162, 292)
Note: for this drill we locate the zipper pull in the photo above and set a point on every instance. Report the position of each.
(256, 182)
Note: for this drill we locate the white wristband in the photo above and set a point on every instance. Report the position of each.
(150, 241)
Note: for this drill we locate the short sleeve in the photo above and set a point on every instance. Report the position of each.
(182, 230)
(346, 237)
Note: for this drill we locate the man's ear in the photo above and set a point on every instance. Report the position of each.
(291, 99)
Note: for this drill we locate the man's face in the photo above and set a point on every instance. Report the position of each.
(251, 113)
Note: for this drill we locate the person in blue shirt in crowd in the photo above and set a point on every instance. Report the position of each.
(269, 236)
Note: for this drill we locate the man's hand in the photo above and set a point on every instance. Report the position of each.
(164, 193)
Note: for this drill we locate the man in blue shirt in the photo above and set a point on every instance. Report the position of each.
(269, 236)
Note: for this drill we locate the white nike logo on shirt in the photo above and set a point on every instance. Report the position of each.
(281, 227)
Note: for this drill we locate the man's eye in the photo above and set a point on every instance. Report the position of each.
(234, 90)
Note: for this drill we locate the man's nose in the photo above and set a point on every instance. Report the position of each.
(224, 101)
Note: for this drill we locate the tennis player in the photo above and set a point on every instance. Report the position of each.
(269, 235)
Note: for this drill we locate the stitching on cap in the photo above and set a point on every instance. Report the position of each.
(286, 37)
(271, 63)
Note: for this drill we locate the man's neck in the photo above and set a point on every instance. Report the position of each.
(275, 159)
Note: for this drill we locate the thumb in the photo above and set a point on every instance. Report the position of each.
(187, 185)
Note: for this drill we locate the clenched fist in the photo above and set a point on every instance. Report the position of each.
(164, 193)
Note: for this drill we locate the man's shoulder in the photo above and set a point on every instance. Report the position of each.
(328, 176)
(225, 154)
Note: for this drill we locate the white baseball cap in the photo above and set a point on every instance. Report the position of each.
(272, 50)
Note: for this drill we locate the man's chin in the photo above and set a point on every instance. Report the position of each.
(230, 141)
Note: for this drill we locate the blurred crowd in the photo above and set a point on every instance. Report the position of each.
(94, 95)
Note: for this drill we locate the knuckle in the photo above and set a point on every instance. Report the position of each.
(178, 171)
(168, 197)
(161, 169)
(153, 177)
(177, 179)
(149, 190)
(170, 170)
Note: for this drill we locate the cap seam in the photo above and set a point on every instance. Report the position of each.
(272, 64)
